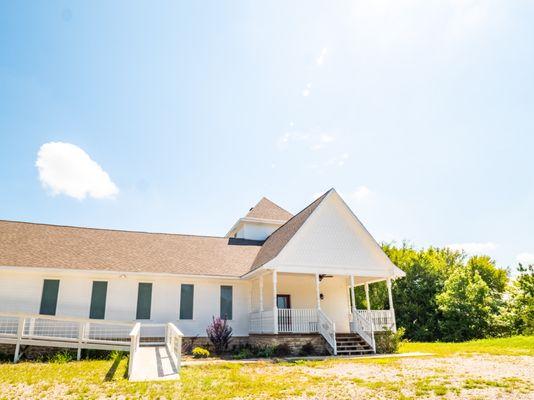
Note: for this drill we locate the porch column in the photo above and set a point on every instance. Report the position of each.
(261, 303)
(367, 296)
(317, 291)
(389, 294)
(352, 297)
(391, 310)
(275, 308)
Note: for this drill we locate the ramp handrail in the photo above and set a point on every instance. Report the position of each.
(135, 336)
(56, 331)
(173, 341)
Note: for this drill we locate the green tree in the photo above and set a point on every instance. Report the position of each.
(414, 296)
(495, 278)
(520, 307)
(467, 306)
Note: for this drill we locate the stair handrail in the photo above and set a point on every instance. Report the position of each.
(365, 328)
(327, 329)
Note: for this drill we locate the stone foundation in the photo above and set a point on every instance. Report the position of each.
(189, 343)
(295, 342)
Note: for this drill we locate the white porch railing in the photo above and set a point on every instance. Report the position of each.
(327, 329)
(381, 319)
(363, 327)
(261, 322)
(173, 341)
(297, 320)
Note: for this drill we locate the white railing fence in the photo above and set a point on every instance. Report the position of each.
(363, 327)
(173, 341)
(135, 339)
(297, 320)
(381, 319)
(327, 329)
(79, 333)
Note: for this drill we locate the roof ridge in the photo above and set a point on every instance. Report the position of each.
(266, 207)
(114, 230)
(273, 236)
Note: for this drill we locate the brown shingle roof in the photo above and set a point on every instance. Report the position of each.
(266, 209)
(279, 238)
(51, 246)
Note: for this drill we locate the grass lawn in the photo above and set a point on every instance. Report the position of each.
(513, 346)
(498, 368)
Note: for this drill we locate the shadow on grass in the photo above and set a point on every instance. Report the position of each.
(111, 372)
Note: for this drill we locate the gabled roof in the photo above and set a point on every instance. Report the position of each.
(279, 238)
(266, 209)
(24, 244)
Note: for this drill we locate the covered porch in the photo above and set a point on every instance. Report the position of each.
(300, 303)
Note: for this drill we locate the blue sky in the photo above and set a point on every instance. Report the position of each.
(179, 116)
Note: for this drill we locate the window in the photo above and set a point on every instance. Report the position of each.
(144, 300)
(226, 302)
(186, 301)
(49, 297)
(98, 300)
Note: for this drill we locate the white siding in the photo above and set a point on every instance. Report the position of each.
(21, 292)
(256, 231)
(333, 240)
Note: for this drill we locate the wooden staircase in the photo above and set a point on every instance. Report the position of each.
(352, 344)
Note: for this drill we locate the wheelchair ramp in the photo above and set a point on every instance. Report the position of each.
(153, 363)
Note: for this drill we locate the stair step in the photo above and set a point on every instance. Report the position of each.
(352, 344)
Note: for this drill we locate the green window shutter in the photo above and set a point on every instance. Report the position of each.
(98, 300)
(226, 302)
(144, 300)
(49, 297)
(186, 301)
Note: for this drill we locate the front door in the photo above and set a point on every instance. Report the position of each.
(283, 303)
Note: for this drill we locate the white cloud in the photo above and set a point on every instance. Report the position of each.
(321, 141)
(311, 140)
(525, 258)
(361, 192)
(284, 141)
(338, 160)
(306, 92)
(413, 23)
(473, 248)
(326, 138)
(320, 59)
(65, 168)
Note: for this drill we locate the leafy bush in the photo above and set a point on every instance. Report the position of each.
(243, 353)
(61, 357)
(388, 342)
(307, 349)
(282, 350)
(199, 352)
(220, 334)
(4, 357)
(267, 351)
(188, 344)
